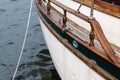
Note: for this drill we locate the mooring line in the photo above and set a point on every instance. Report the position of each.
(23, 45)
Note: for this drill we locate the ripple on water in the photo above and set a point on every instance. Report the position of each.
(2, 11)
(41, 69)
(13, 0)
(36, 63)
(14, 24)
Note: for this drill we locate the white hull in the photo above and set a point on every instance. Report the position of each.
(69, 66)
(109, 24)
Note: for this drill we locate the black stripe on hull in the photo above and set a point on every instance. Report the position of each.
(85, 51)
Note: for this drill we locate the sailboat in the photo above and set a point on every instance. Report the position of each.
(83, 37)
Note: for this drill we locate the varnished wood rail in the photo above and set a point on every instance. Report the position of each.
(103, 41)
(95, 27)
(89, 62)
(102, 6)
(70, 10)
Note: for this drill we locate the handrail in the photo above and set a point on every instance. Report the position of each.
(89, 62)
(103, 41)
(70, 10)
(95, 27)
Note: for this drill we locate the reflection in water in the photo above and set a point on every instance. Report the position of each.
(42, 69)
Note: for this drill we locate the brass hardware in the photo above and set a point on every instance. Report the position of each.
(65, 29)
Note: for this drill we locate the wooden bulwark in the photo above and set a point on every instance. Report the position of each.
(90, 63)
(94, 24)
(97, 29)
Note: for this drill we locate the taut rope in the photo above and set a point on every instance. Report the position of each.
(25, 36)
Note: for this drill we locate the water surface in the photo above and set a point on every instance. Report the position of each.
(36, 63)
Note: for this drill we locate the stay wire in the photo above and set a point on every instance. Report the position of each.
(24, 41)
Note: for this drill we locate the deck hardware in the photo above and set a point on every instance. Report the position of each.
(75, 44)
(65, 29)
(64, 19)
(48, 7)
(78, 10)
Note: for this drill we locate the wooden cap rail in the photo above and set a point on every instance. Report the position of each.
(103, 41)
(95, 27)
(94, 24)
(70, 10)
(103, 7)
(89, 62)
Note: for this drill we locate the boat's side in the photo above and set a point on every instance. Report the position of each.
(85, 21)
(67, 64)
(69, 56)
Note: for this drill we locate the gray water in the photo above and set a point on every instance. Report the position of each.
(36, 63)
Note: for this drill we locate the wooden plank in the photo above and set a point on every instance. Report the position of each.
(103, 7)
(104, 43)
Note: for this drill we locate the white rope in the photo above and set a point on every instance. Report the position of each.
(25, 36)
